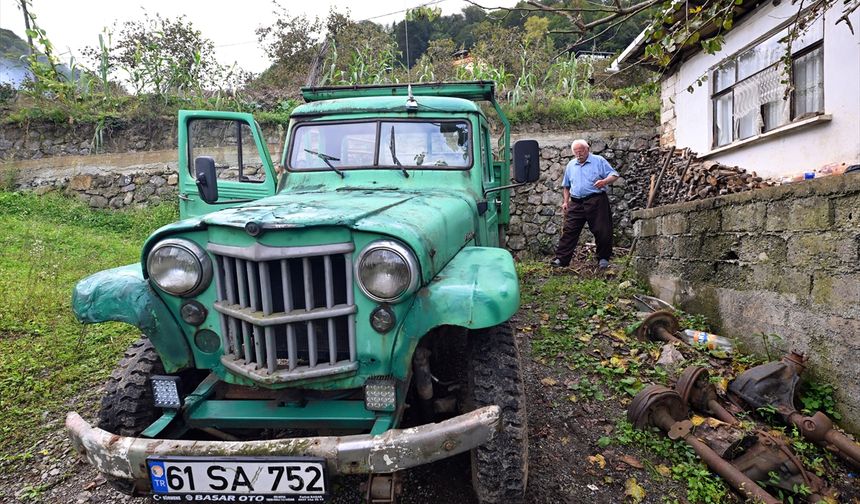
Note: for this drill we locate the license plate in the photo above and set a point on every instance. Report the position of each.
(238, 479)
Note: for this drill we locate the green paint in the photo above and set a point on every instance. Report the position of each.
(269, 414)
(121, 294)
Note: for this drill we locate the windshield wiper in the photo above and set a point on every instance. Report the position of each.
(394, 155)
(327, 160)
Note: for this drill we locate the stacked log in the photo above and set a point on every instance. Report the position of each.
(681, 177)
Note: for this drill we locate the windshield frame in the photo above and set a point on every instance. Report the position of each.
(379, 145)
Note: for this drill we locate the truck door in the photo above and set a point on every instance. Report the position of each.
(491, 215)
(243, 165)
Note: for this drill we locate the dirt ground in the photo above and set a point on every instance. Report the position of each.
(563, 435)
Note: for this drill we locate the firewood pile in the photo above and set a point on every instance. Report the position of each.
(681, 177)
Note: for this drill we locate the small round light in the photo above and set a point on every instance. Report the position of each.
(207, 341)
(382, 319)
(253, 228)
(193, 312)
(179, 267)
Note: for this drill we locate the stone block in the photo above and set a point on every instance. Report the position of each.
(98, 202)
(722, 247)
(818, 251)
(673, 224)
(688, 246)
(173, 179)
(748, 217)
(643, 228)
(81, 182)
(705, 221)
(846, 212)
(810, 214)
(777, 218)
(761, 248)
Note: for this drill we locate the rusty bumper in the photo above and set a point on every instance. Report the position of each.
(125, 457)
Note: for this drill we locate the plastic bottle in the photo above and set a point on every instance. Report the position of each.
(711, 341)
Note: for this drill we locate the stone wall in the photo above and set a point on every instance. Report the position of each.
(536, 217)
(22, 141)
(780, 260)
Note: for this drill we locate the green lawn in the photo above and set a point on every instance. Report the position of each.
(46, 356)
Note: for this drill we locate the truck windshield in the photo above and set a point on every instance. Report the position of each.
(381, 144)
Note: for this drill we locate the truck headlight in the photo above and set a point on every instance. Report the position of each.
(387, 271)
(179, 267)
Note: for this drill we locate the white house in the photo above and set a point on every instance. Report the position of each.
(740, 116)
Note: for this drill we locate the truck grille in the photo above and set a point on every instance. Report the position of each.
(287, 313)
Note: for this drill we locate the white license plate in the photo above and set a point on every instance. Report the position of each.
(238, 479)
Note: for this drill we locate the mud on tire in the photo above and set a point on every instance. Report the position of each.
(499, 467)
(127, 406)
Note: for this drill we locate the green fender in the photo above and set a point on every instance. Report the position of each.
(478, 288)
(121, 294)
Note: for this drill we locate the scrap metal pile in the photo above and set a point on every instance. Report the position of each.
(753, 460)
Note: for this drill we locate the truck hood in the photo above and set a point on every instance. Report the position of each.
(435, 224)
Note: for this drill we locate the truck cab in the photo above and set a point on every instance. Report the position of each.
(344, 312)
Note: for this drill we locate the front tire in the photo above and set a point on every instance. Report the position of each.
(500, 466)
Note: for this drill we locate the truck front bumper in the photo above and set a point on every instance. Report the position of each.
(124, 458)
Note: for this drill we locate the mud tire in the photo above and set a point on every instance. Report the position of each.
(127, 407)
(499, 467)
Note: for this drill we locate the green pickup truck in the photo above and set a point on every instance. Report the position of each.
(345, 312)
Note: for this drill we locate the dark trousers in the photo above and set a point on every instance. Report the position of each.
(594, 211)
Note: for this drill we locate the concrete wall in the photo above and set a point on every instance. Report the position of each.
(797, 150)
(782, 260)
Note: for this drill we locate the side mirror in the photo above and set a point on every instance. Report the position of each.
(526, 161)
(207, 179)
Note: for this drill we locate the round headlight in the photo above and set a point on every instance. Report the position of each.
(386, 271)
(179, 267)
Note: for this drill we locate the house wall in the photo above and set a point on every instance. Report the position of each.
(798, 150)
(783, 260)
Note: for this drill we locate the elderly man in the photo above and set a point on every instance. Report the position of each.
(585, 201)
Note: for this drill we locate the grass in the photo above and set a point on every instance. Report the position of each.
(46, 356)
(571, 111)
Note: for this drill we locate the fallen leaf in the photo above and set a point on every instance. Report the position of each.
(697, 420)
(585, 338)
(713, 422)
(597, 460)
(634, 490)
(565, 440)
(663, 470)
(632, 461)
(549, 382)
(572, 398)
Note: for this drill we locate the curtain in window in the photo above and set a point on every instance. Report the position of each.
(809, 84)
(760, 104)
(723, 119)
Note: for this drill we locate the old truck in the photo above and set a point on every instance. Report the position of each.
(344, 312)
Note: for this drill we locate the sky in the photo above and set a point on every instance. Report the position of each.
(73, 25)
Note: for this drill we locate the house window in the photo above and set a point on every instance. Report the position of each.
(749, 88)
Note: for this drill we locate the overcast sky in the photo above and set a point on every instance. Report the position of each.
(72, 25)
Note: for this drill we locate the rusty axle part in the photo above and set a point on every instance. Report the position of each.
(660, 326)
(773, 384)
(696, 390)
(662, 407)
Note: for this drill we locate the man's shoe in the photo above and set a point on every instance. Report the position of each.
(603, 264)
(556, 263)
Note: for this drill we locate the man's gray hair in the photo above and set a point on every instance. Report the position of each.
(579, 141)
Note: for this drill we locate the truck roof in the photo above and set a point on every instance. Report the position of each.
(372, 104)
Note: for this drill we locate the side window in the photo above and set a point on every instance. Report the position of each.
(486, 155)
(231, 144)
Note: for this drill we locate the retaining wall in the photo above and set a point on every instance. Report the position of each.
(781, 260)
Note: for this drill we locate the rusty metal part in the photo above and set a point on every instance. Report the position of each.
(423, 380)
(770, 384)
(773, 385)
(819, 429)
(659, 326)
(383, 488)
(728, 440)
(771, 456)
(695, 389)
(125, 457)
(662, 407)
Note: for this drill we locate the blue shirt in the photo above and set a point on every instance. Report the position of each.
(580, 178)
